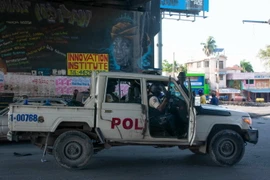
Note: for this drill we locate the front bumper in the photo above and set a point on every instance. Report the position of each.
(251, 135)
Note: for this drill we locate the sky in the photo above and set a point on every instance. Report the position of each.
(224, 22)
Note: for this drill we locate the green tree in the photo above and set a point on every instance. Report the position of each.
(264, 55)
(183, 67)
(246, 66)
(168, 67)
(209, 46)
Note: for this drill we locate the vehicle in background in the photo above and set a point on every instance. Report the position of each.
(239, 98)
(224, 98)
(198, 81)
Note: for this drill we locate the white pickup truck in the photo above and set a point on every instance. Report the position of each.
(118, 113)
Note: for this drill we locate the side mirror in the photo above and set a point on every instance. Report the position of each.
(197, 101)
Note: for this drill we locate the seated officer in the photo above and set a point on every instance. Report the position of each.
(155, 92)
(110, 96)
(160, 122)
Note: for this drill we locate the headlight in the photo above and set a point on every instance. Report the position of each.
(247, 120)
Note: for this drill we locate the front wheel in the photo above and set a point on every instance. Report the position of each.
(73, 150)
(226, 148)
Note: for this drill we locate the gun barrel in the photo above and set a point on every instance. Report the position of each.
(253, 21)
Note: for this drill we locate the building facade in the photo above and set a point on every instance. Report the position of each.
(253, 85)
(214, 69)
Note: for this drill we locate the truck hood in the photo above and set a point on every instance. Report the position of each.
(206, 109)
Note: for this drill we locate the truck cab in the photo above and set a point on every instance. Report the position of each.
(127, 117)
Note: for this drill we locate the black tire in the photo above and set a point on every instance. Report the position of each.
(230, 141)
(196, 151)
(73, 150)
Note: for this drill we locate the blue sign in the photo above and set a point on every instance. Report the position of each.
(185, 5)
(195, 81)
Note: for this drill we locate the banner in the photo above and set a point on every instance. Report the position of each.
(185, 5)
(82, 64)
(42, 86)
(66, 85)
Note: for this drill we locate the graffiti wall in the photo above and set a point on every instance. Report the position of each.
(38, 35)
(42, 85)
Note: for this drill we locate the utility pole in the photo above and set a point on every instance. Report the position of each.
(217, 80)
(160, 44)
(218, 51)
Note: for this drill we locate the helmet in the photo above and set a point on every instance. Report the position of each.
(155, 89)
(200, 92)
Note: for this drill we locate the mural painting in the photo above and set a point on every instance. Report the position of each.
(36, 35)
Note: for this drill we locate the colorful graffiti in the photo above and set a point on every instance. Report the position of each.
(42, 37)
(14, 6)
(53, 15)
(42, 85)
(131, 47)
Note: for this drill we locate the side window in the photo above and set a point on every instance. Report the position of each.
(163, 89)
(123, 91)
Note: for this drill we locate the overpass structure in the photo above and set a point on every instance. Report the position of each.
(50, 47)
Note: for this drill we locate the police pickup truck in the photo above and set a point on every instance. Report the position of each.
(117, 113)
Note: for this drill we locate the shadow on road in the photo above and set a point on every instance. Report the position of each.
(134, 162)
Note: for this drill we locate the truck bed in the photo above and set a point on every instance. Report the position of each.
(46, 118)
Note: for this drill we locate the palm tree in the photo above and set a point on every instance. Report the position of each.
(209, 46)
(264, 55)
(246, 66)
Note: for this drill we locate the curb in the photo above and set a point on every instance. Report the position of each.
(257, 115)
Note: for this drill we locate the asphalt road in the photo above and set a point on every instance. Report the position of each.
(138, 162)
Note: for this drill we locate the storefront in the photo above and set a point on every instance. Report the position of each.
(227, 94)
(258, 93)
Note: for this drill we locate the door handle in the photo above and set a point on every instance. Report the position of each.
(108, 111)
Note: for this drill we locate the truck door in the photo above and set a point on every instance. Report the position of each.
(192, 125)
(187, 108)
(192, 116)
(121, 112)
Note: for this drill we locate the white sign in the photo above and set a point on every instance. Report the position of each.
(229, 91)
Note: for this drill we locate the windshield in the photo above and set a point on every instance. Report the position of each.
(175, 91)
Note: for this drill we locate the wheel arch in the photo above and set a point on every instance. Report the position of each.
(75, 126)
(219, 127)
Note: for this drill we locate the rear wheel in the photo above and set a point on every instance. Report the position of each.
(226, 148)
(73, 150)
